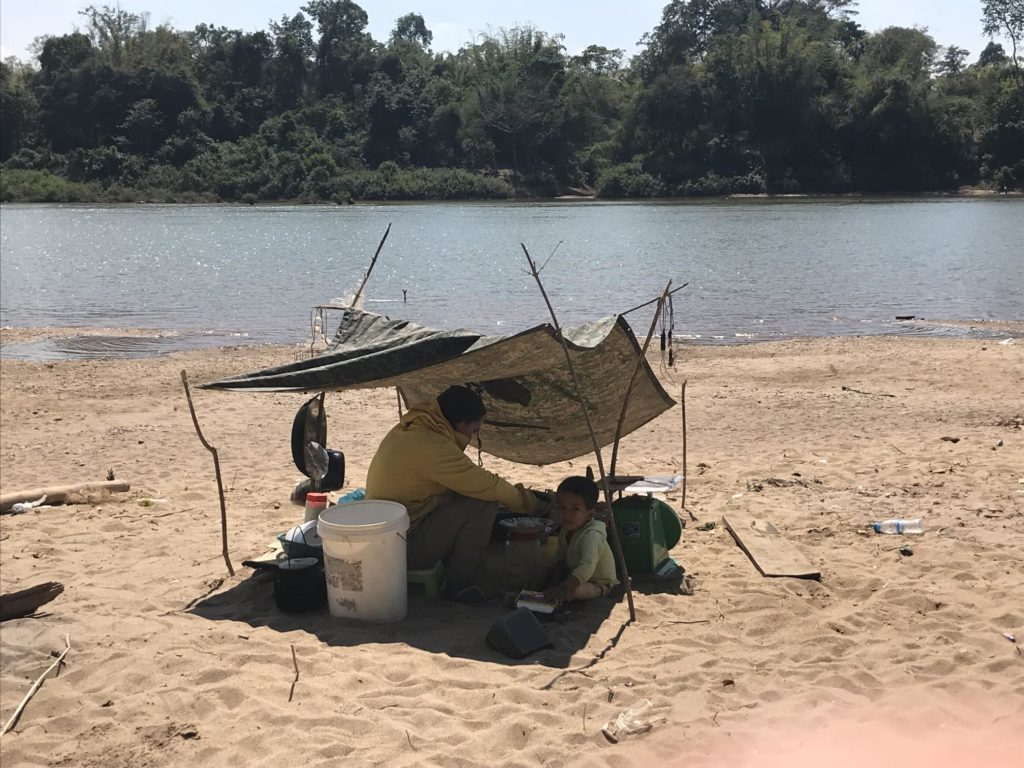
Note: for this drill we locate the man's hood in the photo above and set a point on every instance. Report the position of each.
(429, 416)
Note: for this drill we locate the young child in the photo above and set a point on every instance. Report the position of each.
(582, 544)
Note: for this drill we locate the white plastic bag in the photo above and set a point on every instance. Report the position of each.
(630, 721)
(25, 506)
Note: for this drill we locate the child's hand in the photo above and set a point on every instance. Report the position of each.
(556, 595)
(563, 591)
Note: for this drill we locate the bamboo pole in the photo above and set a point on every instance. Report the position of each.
(36, 685)
(648, 303)
(355, 300)
(632, 379)
(216, 469)
(616, 545)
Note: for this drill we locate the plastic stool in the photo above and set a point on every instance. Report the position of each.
(431, 579)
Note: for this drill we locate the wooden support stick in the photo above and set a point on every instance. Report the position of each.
(648, 303)
(295, 661)
(35, 686)
(616, 545)
(60, 494)
(632, 379)
(216, 470)
(25, 602)
(682, 400)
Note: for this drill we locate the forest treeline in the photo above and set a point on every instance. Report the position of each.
(725, 96)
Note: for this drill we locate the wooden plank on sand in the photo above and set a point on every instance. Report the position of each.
(768, 549)
(25, 602)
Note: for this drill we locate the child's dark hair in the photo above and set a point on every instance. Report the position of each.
(460, 404)
(583, 487)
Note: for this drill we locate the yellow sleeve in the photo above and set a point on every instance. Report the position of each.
(455, 470)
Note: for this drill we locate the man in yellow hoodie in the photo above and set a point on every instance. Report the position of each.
(452, 503)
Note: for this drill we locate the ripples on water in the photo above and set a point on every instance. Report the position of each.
(98, 347)
(203, 276)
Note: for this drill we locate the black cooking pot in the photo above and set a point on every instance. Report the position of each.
(299, 585)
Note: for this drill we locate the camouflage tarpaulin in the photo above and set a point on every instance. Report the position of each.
(533, 415)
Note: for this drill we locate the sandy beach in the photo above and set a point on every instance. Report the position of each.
(891, 659)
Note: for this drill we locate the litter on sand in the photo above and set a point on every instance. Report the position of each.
(25, 506)
(630, 721)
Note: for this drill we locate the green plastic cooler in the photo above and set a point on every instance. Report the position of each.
(648, 529)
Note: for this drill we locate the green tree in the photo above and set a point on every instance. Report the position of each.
(952, 61)
(235, 70)
(114, 31)
(1006, 18)
(600, 61)
(290, 71)
(18, 108)
(413, 30)
(520, 73)
(66, 92)
(992, 55)
(344, 51)
(901, 132)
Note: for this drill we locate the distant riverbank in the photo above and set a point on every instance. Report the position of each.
(418, 184)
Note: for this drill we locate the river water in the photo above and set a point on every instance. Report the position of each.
(756, 269)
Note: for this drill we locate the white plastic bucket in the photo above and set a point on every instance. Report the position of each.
(364, 560)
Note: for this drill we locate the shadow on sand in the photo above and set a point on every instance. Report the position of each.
(431, 625)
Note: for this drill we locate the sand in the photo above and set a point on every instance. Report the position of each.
(890, 659)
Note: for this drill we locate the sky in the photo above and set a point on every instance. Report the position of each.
(611, 23)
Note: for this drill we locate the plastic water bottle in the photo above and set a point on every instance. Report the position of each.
(899, 526)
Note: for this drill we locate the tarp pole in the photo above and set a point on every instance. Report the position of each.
(614, 533)
(648, 303)
(632, 379)
(216, 470)
(682, 400)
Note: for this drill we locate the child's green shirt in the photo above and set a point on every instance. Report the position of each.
(588, 555)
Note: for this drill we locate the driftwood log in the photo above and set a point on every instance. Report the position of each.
(25, 602)
(62, 494)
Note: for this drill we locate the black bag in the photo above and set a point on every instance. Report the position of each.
(517, 634)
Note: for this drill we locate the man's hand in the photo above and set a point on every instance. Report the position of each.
(543, 503)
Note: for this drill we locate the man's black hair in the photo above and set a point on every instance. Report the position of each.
(460, 404)
(583, 487)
